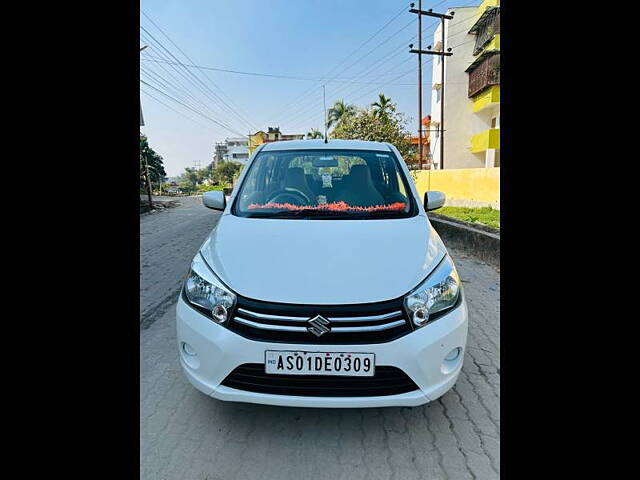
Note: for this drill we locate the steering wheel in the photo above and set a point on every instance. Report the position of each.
(290, 195)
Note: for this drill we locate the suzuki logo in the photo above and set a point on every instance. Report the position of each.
(318, 325)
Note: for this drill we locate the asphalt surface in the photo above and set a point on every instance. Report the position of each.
(187, 435)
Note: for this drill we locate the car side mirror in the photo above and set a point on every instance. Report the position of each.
(433, 200)
(214, 199)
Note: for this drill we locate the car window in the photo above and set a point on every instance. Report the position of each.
(324, 183)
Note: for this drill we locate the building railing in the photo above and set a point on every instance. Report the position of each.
(486, 74)
(489, 27)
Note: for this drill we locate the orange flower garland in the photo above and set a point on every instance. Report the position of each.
(334, 207)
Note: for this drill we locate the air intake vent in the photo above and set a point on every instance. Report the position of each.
(387, 381)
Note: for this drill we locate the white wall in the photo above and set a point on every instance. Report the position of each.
(237, 146)
(458, 116)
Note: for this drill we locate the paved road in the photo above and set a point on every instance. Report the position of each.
(168, 242)
(187, 435)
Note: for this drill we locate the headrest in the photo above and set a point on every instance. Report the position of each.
(294, 175)
(360, 174)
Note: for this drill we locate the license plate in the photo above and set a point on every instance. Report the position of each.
(319, 363)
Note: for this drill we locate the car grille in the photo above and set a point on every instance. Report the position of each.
(251, 377)
(347, 324)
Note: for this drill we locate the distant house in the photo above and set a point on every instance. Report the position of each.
(413, 160)
(237, 150)
(273, 134)
(220, 152)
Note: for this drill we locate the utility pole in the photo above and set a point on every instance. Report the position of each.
(144, 157)
(420, 147)
(324, 100)
(147, 181)
(441, 53)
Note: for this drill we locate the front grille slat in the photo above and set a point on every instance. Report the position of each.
(370, 328)
(386, 381)
(348, 324)
(370, 318)
(265, 316)
(267, 326)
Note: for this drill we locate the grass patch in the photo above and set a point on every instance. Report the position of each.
(484, 215)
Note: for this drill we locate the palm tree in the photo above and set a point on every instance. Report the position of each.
(339, 112)
(314, 133)
(383, 106)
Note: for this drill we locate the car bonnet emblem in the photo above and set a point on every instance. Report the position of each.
(318, 325)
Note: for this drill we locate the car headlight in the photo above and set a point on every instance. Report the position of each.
(204, 290)
(438, 292)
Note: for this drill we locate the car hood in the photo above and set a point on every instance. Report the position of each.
(322, 262)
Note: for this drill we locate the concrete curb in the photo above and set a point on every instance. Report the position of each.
(481, 243)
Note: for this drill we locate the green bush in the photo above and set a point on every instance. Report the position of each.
(209, 188)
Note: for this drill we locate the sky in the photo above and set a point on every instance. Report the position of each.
(356, 48)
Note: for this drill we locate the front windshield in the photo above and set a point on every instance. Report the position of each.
(314, 184)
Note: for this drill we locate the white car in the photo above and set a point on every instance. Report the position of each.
(323, 284)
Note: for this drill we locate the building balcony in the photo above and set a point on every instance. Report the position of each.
(493, 45)
(489, 139)
(487, 30)
(484, 6)
(484, 72)
(489, 97)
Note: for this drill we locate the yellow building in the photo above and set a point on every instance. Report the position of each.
(272, 135)
(255, 140)
(484, 84)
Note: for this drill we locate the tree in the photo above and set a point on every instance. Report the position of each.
(340, 112)
(188, 181)
(366, 125)
(383, 106)
(157, 173)
(228, 170)
(314, 133)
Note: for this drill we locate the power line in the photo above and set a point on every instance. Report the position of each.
(422, 31)
(184, 71)
(161, 82)
(404, 43)
(300, 106)
(341, 91)
(303, 114)
(153, 76)
(299, 119)
(306, 92)
(184, 92)
(370, 68)
(150, 58)
(171, 108)
(303, 107)
(180, 71)
(168, 72)
(243, 120)
(239, 113)
(193, 110)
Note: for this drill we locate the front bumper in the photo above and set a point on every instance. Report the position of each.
(420, 354)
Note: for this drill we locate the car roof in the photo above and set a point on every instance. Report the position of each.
(332, 144)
